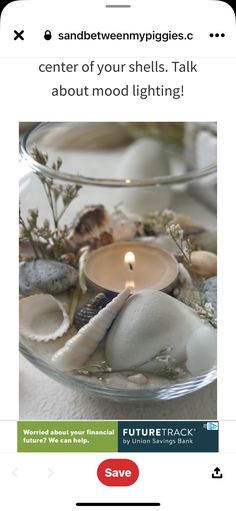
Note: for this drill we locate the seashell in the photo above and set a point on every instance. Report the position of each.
(124, 226)
(86, 312)
(42, 318)
(46, 276)
(89, 223)
(149, 322)
(202, 350)
(145, 158)
(81, 346)
(204, 263)
(139, 379)
(105, 238)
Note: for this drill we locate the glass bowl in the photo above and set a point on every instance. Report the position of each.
(93, 160)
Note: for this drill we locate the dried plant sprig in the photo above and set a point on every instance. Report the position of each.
(177, 235)
(167, 216)
(168, 369)
(47, 241)
(97, 370)
(26, 229)
(53, 191)
(206, 311)
(156, 222)
(39, 156)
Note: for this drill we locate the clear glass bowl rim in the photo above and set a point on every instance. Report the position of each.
(80, 179)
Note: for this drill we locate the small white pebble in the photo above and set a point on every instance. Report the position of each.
(139, 379)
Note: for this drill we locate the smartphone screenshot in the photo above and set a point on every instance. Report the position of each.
(117, 367)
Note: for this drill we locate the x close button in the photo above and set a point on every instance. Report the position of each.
(19, 35)
(118, 472)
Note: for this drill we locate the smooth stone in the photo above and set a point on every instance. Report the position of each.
(202, 350)
(148, 322)
(139, 379)
(46, 276)
(145, 158)
(209, 288)
(203, 263)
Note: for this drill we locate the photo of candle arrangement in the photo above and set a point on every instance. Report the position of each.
(118, 300)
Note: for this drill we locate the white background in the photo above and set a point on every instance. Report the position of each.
(209, 96)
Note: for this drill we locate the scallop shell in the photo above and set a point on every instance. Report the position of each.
(42, 318)
(86, 312)
(81, 346)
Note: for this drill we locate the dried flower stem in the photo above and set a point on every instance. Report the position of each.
(51, 241)
(54, 192)
(177, 235)
(26, 234)
(168, 370)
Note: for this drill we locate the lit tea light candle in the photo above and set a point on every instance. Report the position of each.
(129, 259)
(109, 268)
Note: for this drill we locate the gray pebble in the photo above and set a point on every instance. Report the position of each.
(209, 288)
(46, 276)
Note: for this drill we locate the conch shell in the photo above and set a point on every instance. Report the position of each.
(81, 346)
(42, 318)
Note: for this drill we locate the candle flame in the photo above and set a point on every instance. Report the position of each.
(130, 260)
(130, 283)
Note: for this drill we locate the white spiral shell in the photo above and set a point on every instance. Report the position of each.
(80, 347)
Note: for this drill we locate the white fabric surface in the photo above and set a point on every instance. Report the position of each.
(44, 399)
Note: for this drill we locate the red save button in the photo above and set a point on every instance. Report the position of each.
(120, 472)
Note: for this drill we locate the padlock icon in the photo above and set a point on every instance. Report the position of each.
(48, 35)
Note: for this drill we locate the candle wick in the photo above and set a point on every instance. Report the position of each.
(130, 266)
